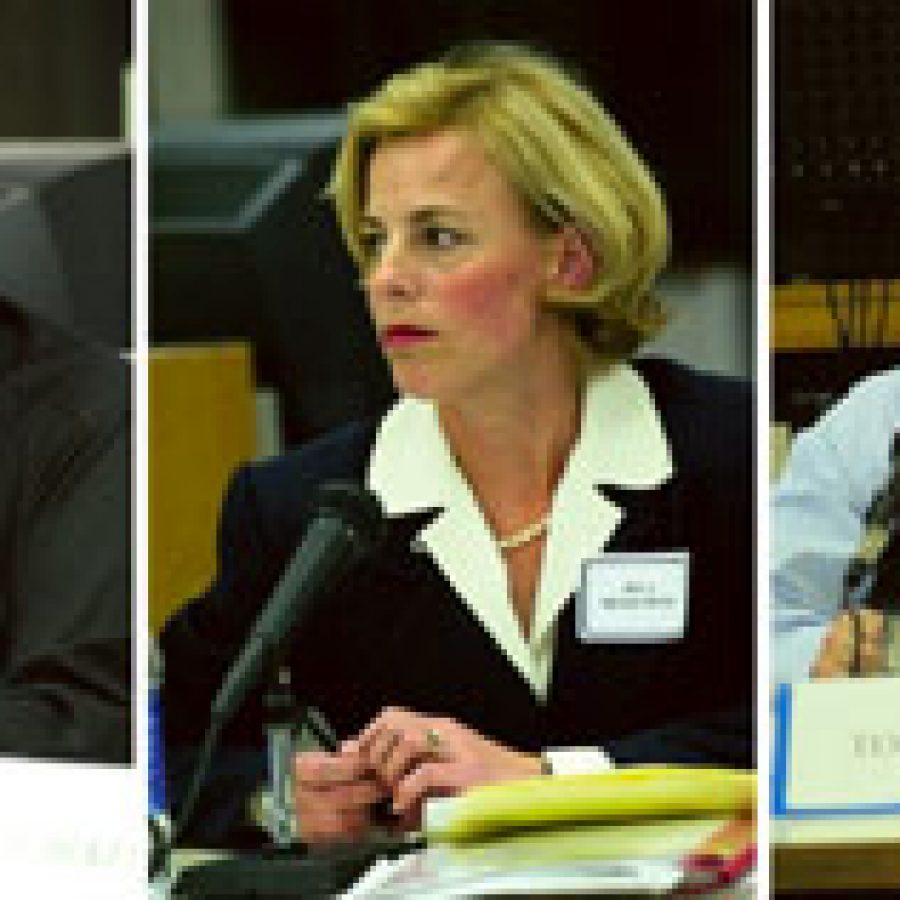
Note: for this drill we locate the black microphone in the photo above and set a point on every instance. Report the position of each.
(345, 527)
(880, 525)
(883, 525)
(885, 507)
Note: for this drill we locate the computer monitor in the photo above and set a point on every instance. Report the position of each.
(65, 235)
(244, 246)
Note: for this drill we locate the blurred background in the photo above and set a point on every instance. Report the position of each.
(246, 103)
(259, 332)
(836, 237)
(65, 171)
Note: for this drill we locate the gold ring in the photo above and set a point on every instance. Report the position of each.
(433, 739)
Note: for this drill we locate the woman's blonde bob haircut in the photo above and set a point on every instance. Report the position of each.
(558, 148)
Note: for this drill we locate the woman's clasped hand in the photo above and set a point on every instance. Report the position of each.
(398, 760)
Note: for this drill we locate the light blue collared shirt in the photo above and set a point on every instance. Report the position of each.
(818, 509)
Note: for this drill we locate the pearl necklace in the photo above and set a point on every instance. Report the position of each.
(525, 535)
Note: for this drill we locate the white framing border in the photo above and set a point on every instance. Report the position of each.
(763, 227)
(140, 118)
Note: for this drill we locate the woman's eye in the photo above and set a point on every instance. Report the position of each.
(442, 238)
(371, 242)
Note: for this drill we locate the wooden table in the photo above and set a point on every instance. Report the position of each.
(852, 857)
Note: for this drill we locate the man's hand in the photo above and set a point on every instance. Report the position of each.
(334, 794)
(416, 757)
(836, 653)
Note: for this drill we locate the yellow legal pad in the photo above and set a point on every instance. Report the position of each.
(634, 793)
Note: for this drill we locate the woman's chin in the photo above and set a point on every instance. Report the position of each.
(416, 390)
(417, 382)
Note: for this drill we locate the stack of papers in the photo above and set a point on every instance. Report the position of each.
(622, 833)
(642, 859)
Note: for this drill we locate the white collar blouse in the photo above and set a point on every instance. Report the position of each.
(621, 443)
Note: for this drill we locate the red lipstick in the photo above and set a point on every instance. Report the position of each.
(399, 337)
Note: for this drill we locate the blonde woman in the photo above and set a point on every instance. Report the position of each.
(508, 238)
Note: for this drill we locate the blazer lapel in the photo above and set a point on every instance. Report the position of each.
(412, 469)
(461, 546)
(582, 523)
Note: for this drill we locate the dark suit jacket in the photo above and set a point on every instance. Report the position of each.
(394, 633)
(65, 545)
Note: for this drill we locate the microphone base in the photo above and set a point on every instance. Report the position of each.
(279, 872)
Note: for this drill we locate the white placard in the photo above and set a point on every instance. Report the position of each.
(843, 750)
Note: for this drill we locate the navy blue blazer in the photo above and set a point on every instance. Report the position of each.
(393, 633)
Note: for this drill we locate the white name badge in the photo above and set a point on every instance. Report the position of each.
(633, 598)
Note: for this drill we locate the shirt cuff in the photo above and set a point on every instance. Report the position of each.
(576, 760)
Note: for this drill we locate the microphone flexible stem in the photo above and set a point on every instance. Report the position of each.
(346, 528)
(328, 548)
(198, 777)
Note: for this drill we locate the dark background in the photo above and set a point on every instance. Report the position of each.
(677, 76)
(60, 68)
(836, 105)
(836, 155)
(65, 176)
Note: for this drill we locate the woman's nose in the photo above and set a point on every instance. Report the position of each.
(392, 274)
